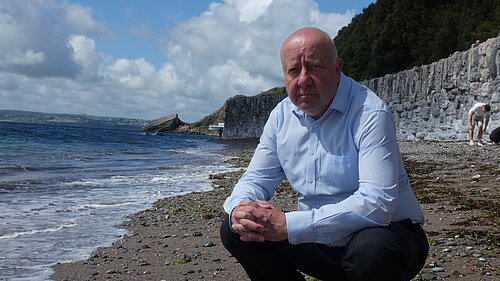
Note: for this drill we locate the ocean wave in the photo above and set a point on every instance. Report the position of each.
(168, 168)
(133, 152)
(93, 207)
(7, 186)
(103, 206)
(36, 231)
(17, 168)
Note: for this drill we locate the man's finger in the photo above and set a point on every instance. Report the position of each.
(251, 212)
(264, 204)
(252, 237)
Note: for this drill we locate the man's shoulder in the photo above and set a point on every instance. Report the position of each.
(284, 105)
(367, 99)
(476, 106)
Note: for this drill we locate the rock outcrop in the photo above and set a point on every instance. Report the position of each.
(201, 127)
(164, 124)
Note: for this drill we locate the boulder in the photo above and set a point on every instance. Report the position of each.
(164, 124)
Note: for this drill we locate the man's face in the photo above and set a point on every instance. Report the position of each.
(311, 72)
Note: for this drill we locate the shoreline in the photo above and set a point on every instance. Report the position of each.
(178, 238)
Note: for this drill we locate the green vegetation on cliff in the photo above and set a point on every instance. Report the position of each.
(394, 35)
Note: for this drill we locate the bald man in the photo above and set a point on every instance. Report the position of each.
(335, 141)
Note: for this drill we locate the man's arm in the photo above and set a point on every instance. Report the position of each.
(486, 122)
(248, 218)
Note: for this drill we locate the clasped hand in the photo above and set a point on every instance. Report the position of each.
(258, 221)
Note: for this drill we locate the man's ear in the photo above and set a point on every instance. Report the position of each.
(339, 63)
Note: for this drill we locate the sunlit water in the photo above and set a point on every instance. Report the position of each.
(65, 190)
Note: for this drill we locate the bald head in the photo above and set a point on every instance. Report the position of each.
(317, 36)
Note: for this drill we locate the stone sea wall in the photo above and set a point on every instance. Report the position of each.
(429, 102)
(245, 116)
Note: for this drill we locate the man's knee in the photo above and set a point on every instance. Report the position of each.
(375, 254)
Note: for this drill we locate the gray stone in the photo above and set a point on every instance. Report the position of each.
(164, 124)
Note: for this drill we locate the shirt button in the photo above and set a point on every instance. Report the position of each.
(310, 180)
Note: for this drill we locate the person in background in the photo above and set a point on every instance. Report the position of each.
(335, 142)
(479, 115)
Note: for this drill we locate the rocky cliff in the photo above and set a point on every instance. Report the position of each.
(245, 116)
(429, 102)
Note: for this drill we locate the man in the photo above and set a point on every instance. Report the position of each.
(478, 114)
(335, 141)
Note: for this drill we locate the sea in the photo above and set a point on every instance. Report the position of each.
(65, 190)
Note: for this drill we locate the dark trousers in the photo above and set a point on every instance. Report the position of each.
(395, 252)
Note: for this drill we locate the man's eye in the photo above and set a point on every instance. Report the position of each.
(293, 70)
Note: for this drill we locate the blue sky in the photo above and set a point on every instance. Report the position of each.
(146, 59)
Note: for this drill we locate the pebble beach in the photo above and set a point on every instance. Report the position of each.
(178, 238)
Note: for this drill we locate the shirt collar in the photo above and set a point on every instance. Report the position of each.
(339, 101)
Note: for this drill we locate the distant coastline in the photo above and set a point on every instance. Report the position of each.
(79, 120)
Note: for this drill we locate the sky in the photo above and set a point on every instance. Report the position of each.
(146, 59)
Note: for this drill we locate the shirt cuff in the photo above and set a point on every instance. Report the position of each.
(300, 227)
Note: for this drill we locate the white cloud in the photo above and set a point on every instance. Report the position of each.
(134, 74)
(80, 18)
(16, 57)
(86, 55)
(53, 64)
(250, 11)
(32, 43)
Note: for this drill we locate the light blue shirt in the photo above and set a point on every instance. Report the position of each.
(346, 168)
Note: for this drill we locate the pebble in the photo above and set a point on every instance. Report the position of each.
(197, 233)
(208, 244)
(475, 177)
(437, 269)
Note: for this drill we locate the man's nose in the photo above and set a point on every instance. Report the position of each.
(304, 78)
